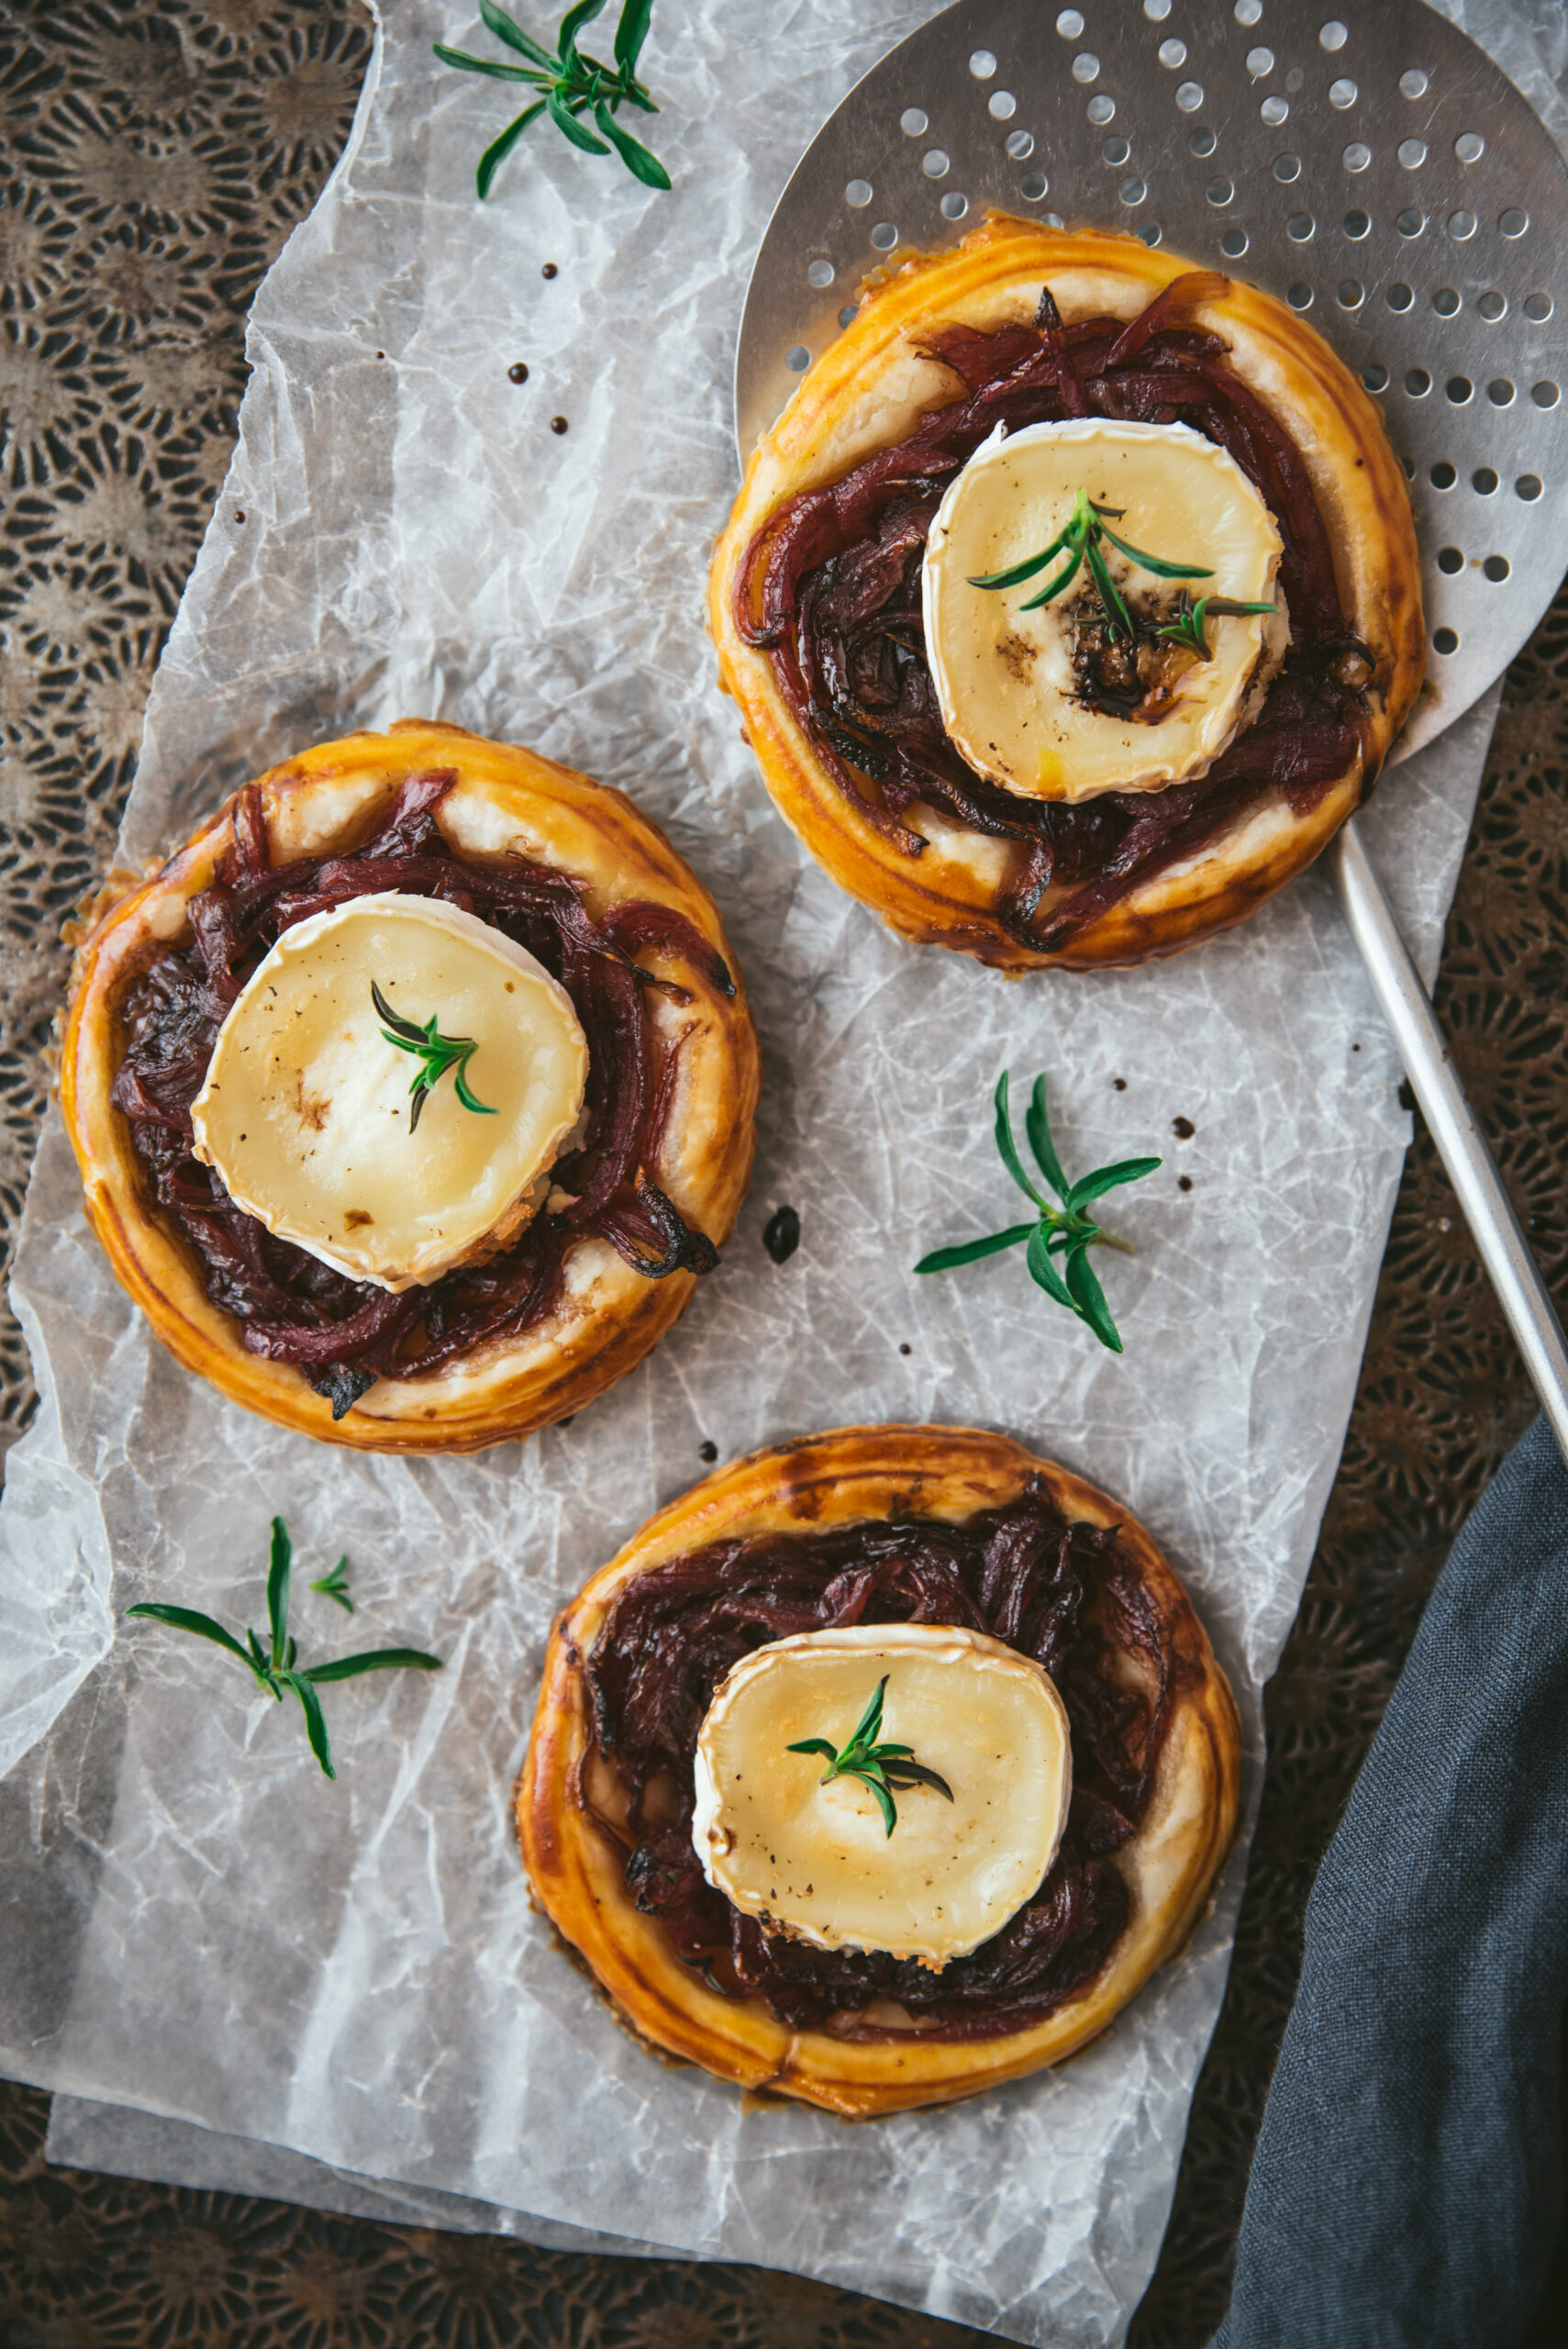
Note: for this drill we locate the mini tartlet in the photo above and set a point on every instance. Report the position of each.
(605, 1826)
(815, 597)
(567, 864)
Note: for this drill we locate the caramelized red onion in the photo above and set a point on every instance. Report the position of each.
(344, 1333)
(831, 588)
(1066, 1594)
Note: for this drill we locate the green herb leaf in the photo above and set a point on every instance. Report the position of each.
(571, 86)
(335, 1585)
(633, 154)
(572, 25)
(504, 28)
(1094, 1186)
(278, 1591)
(1053, 587)
(315, 1720)
(1037, 1125)
(567, 123)
(1007, 1147)
(278, 1671)
(1156, 563)
(631, 32)
(948, 1260)
(1065, 1231)
(186, 1619)
(466, 64)
(880, 1768)
(1090, 1299)
(495, 154)
(436, 1052)
(349, 1667)
(1019, 572)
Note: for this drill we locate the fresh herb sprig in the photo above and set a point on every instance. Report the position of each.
(1187, 625)
(1063, 1231)
(276, 1667)
(882, 1769)
(571, 86)
(437, 1055)
(335, 1585)
(1079, 543)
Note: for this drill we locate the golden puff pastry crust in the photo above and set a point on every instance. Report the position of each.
(505, 800)
(869, 389)
(851, 1474)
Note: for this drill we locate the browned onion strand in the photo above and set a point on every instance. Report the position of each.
(1069, 1595)
(831, 588)
(344, 1333)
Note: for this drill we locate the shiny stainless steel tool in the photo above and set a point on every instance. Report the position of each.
(1374, 170)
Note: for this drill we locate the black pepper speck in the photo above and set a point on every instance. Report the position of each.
(781, 1234)
(517, 372)
(905, 1349)
(550, 270)
(1184, 1129)
(1184, 1181)
(1119, 1083)
(708, 1450)
(558, 424)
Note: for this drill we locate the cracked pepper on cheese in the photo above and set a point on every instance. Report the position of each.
(816, 1860)
(306, 1111)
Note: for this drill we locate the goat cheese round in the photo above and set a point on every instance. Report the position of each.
(815, 1861)
(306, 1113)
(1021, 692)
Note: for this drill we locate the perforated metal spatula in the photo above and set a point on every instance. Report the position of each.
(1373, 170)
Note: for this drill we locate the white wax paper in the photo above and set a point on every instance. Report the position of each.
(198, 1924)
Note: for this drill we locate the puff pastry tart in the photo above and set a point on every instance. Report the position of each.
(880, 1768)
(413, 1095)
(1072, 603)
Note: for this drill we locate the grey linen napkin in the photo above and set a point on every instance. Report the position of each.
(1407, 2184)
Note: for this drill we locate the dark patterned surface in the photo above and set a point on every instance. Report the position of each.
(153, 160)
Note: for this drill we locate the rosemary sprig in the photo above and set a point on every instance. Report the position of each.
(275, 1666)
(569, 85)
(1187, 628)
(1065, 1231)
(1079, 543)
(881, 1767)
(437, 1055)
(335, 1585)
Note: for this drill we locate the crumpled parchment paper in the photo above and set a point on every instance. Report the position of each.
(199, 1925)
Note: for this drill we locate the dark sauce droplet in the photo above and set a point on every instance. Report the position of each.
(708, 1450)
(558, 424)
(1119, 1083)
(517, 372)
(550, 270)
(1184, 1181)
(905, 1349)
(781, 1234)
(1184, 1129)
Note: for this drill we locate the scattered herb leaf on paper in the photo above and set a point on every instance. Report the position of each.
(571, 86)
(274, 1663)
(1065, 1231)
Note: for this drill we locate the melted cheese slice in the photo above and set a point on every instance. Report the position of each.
(304, 1113)
(1004, 680)
(815, 1861)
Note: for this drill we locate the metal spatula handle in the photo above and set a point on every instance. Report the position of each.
(1428, 1065)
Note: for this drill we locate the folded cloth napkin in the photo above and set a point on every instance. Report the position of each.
(1407, 2187)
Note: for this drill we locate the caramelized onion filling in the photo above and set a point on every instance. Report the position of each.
(830, 589)
(1065, 1594)
(345, 1335)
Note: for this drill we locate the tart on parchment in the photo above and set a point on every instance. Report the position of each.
(665, 1769)
(888, 697)
(413, 1095)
